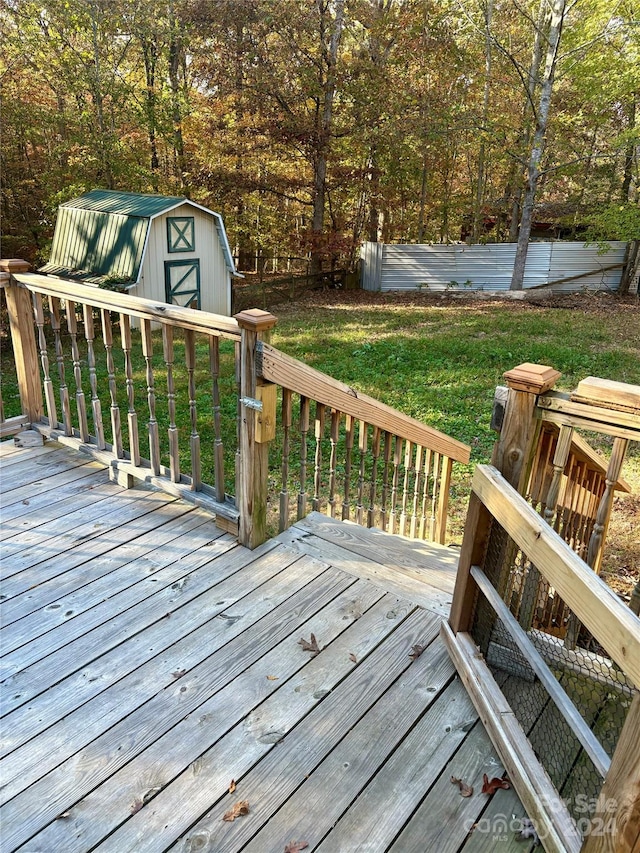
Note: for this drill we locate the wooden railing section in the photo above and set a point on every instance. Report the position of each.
(185, 411)
(518, 566)
(357, 459)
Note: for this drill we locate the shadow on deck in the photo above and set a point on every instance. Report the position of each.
(150, 664)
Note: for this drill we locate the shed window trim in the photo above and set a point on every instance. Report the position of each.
(181, 234)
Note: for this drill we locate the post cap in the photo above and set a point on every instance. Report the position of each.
(12, 265)
(256, 320)
(534, 378)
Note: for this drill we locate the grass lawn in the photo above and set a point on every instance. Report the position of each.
(439, 360)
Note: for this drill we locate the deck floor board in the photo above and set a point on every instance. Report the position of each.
(147, 660)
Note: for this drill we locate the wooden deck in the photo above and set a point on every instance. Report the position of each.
(149, 664)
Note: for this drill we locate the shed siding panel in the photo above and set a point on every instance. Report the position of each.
(488, 267)
(215, 282)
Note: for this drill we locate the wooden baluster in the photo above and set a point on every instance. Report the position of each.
(287, 409)
(417, 470)
(237, 356)
(107, 340)
(395, 482)
(603, 515)
(174, 452)
(569, 498)
(443, 501)
(531, 590)
(317, 478)
(96, 408)
(304, 429)
(218, 446)
(437, 459)
(362, 447)
(384, 515)
(65, 404)
(408, 454)
(426, 494)
(49, 395)
(375, 449)
(132, 416)
(563, 448)
(349, 438)
(194, 439)
(72, 326)
(152, 425)
(333, 458)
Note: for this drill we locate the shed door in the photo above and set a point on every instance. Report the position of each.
(182, 283)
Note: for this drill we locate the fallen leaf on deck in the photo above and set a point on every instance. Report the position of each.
(309, 645)
(63, 815)
(353, 658)
(136, 805)
(273, 677)
(178, 673)
(26, 503)
(465, 790)
(239, 809)
(416, 651)
(295, 846)
(490, 786)
(232, 786)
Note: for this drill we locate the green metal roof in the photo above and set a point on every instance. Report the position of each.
(126, 204)
(102, 235)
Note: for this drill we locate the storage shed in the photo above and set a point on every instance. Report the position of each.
(159, 247)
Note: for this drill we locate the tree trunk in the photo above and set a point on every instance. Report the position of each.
(175, 61)
(539, 139)
(477, 210)
(325, 117)
(150, 58)
(631, 269)
(628, 153)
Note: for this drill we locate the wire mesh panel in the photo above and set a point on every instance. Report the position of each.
(598, 690)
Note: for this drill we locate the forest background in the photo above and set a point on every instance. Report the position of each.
(312, 125)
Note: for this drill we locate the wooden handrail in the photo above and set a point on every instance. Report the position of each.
(593, 602)
(301, 379)
(184, 318)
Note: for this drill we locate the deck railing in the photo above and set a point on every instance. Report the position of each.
(202, 406)
(567, 715)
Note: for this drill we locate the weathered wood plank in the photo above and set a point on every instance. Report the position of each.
(42, 521)
(32, 567)
(444, 818)
(28, 471)
(608, 394)
(499, 827)
(400, 583)
(349, 775)
(433, 563)
(215, 595)
(34, 759)
(281, 770)
(9, 448)
(260, 623)
(10, 496)
(353, 620)
(20, 455)
(112, 583)
(84, 477)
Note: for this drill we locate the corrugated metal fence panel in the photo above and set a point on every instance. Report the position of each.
(488, 267)
(569, 259)
(371, 255)
(410, 267)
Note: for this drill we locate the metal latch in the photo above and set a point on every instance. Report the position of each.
(251, 403)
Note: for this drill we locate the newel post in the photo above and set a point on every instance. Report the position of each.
(23, 338)
(512, 456)
(257, 428)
